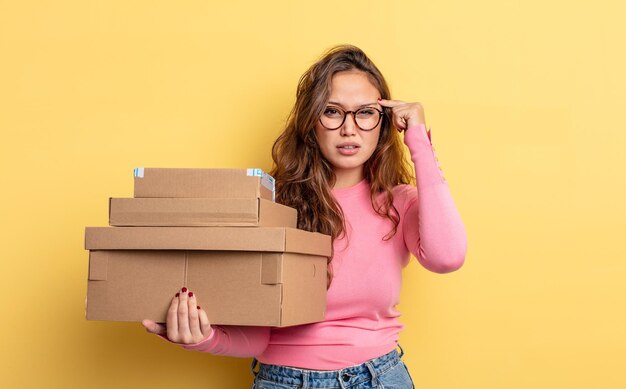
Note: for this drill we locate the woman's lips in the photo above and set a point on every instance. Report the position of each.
(348, 150)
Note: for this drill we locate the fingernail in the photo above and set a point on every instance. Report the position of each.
(190, 294)
(198, 307)
(184, 289)
(177, 294)
(379, 99)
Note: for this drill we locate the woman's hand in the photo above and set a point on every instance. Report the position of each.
(404, 115)
(186, 323)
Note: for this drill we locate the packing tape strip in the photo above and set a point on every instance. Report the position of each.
(266, 180)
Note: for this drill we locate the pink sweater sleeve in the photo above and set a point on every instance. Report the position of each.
(433, 229)
(234, 341)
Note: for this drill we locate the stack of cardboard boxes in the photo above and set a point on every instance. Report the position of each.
(217, 232)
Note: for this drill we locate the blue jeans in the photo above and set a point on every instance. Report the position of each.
(387, 371)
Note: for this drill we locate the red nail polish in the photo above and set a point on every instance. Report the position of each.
(190, 294)
(379, 99)
(177, 294)
(198, 307)
(184, 290)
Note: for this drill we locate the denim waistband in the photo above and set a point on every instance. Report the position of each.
(307, 378)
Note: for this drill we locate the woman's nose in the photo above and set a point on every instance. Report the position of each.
(349, 126)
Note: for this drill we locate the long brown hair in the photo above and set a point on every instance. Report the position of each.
(304, 178)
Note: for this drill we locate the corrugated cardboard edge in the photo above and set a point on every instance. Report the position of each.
(183, 212)
(184, 238)
(271, 268)
(305, 242)
(98, 265)
(276, 215)
(304, 284)
(278, 239)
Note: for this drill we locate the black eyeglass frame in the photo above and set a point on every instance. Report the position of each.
(345, 115)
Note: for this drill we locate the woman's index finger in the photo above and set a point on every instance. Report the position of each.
(390, 103)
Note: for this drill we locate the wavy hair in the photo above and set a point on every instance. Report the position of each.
(304, 178)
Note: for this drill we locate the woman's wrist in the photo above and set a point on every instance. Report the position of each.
(418, 133)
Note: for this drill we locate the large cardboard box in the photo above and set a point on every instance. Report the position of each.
(207, 183)
(254, 212)
(265, 276)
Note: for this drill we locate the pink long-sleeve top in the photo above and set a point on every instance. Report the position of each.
(361, 320)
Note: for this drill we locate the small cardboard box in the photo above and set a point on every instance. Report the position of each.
(253, 212)
(207, 183)
(265, 276)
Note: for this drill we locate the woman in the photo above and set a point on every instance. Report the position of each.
(340, 163)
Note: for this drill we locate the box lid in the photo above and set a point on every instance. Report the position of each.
(199, 212)
(276, 239)
(207, 183)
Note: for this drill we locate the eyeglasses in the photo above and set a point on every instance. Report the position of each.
(366, 118)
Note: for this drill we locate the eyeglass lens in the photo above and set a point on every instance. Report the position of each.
(366, 118)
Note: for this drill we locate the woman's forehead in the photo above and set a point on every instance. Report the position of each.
(352, 88)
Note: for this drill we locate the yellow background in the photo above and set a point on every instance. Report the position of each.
(526, 101)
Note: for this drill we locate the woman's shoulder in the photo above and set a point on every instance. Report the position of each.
(404, 191)
(403, 196)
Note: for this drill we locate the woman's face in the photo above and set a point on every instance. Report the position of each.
(350, 90)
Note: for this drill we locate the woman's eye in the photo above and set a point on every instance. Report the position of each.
(331, 112)
(366, 112)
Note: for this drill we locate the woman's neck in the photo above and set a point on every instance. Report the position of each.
(348, 178)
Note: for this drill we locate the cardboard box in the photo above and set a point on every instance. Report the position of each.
(207, 183)
(265, 276)
(275, 239)
(254, 212)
